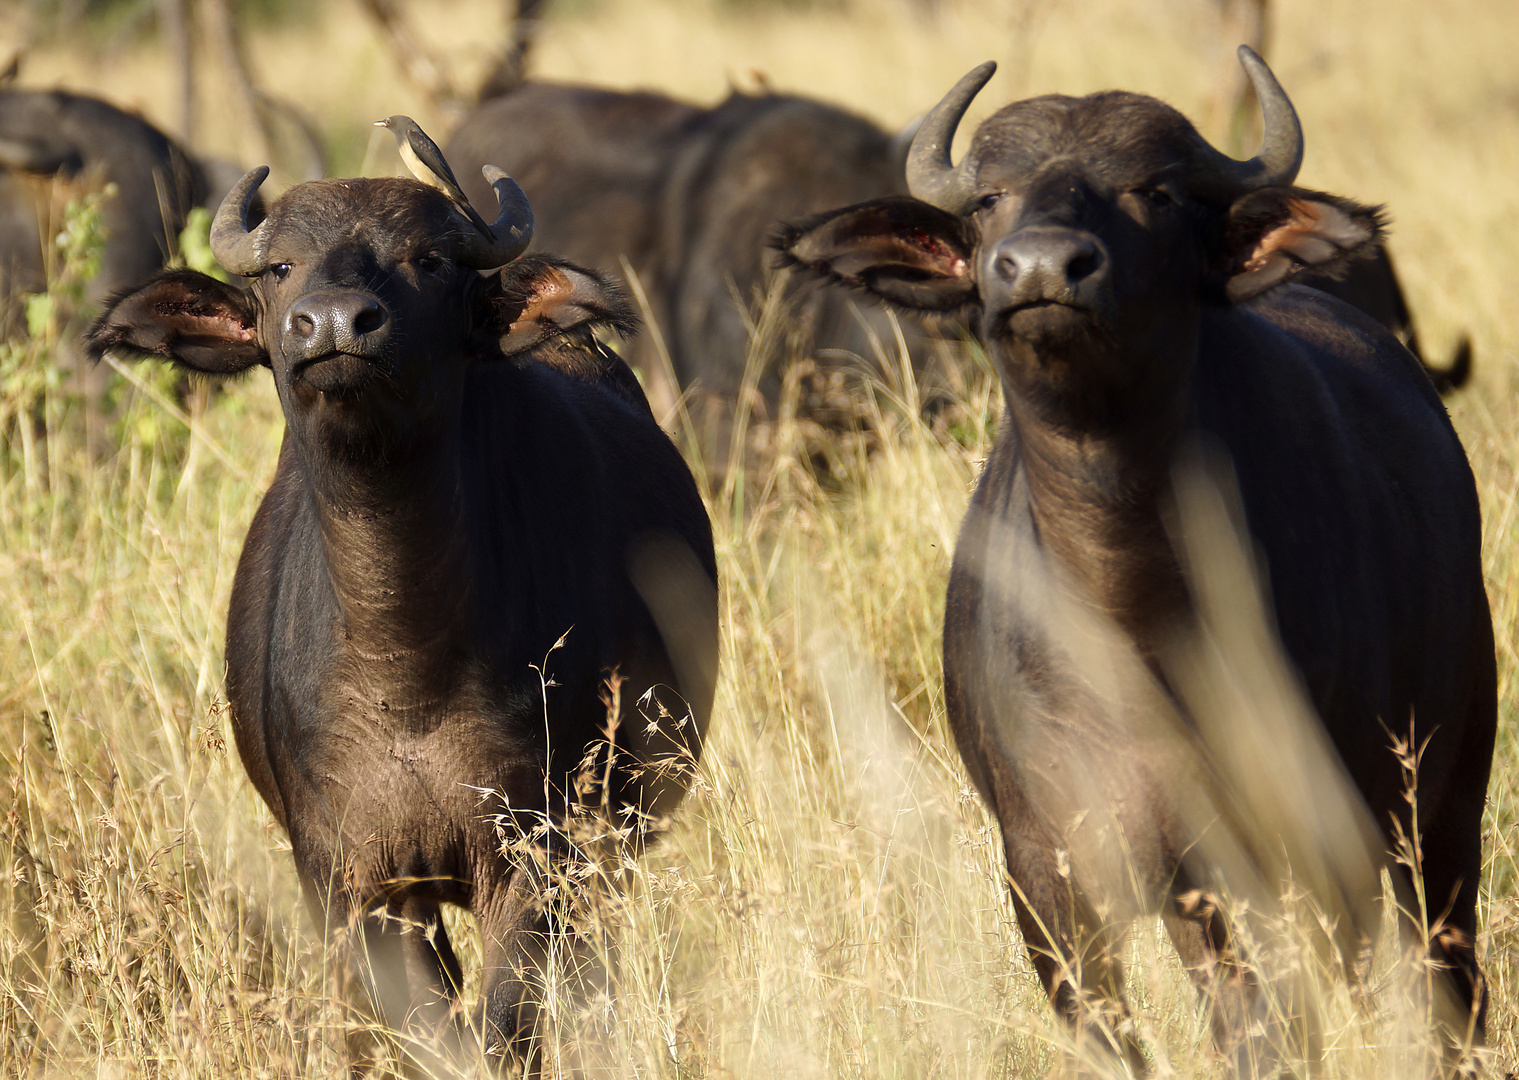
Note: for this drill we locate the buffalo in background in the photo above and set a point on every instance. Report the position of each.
(54, 134)
(55, 144)
(688, 195)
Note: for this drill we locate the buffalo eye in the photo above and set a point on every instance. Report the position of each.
(429, 264)
(280, 271)
(1157, 197)
(989, 200)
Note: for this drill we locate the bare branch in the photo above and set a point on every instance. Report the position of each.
(510, 68)
(174, 17)
(242, 100)
(419, 64)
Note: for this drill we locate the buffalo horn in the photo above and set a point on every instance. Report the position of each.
(239, 250)
(1281, 153)
(512, 231)
(931, 176)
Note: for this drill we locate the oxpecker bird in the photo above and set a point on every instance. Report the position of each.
(427, 163)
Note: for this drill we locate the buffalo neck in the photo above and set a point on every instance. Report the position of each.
(395, 547)
(1097, 493)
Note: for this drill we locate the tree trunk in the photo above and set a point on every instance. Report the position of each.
(252, 141)
(174, 17)
(1234, 109)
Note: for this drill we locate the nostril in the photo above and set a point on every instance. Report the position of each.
(1006, 266)
(368, 319)
(302, 325)
(1083, 263)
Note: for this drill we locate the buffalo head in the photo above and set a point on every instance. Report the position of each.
(1080, 236)
(368, 297)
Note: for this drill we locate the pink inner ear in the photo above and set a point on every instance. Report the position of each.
(1313, 233)
(552, 288)
(933, 254)
(233, 328)
(206, 320)
(922, 252)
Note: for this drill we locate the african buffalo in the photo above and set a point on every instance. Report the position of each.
(55, 135)
(687, 196)
(1131, 285)
(480, 563)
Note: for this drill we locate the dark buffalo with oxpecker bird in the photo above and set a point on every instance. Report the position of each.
(479, 561)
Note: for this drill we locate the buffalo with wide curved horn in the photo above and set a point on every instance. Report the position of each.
(1136, 292)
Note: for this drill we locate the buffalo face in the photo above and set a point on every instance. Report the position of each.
(1086, 240)
(1081, 237)
(367, 303)
(364, 308)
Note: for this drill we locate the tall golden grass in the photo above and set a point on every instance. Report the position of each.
(829, 899)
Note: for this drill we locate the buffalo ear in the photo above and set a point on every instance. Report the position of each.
(37, 156)
(538, 298)
(185, 317)
(1275, 233)
(907, 252)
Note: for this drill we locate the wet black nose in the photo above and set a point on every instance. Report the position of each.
(350, 322)
(1045, 263)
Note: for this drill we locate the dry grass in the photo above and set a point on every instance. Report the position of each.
(828, 900)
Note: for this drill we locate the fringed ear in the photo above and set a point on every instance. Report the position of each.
(1275, 233)
(538, 298)
(39, 156)
(186, 317)
(902, 250)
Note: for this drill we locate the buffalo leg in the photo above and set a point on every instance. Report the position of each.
(433, 977)
(1201, 936)
(400, 955)
(515, 930)
(1448, 840)
(412, 976)
(1074, 954)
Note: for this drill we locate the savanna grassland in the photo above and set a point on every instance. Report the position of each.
(828, 901)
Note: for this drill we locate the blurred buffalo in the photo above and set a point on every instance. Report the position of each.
(687, 196)
(1372, 285)
(55, 145)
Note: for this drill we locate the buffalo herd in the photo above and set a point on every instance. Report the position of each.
(479, 600)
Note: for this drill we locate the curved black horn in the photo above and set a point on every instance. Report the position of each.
(931, 176)
(512, 231)
(1281, 152)
(235, 247)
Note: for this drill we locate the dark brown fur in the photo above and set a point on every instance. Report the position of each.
(688, 196)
